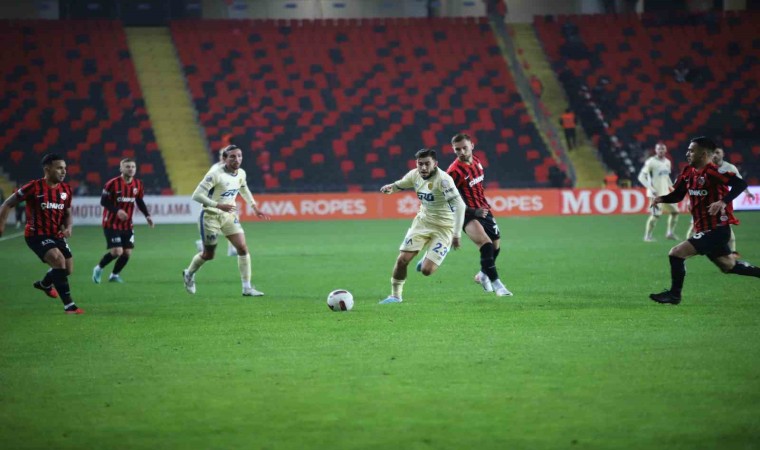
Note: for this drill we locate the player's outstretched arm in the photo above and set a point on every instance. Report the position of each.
(248, 197)
(144, 209)
(389, 188)
(459, 208)
(5, 209)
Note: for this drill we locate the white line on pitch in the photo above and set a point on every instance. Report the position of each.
(9, 237)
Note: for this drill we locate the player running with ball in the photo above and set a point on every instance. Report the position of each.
(438, 224)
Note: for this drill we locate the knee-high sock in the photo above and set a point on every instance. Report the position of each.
(397, 287)
(120, 263)
(732, 241)
(672, 221)
(677, 274)
(745, 268)
(496, 252)
(651, 222)
(244, 266)
(487, 263)
(106, 259)
(61, 283)
(47, 280)
(196, 263)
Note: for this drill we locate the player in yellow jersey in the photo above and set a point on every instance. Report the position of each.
(723, 167)
(217, 193)
(199, 243)
(438, 224)
(655, 176)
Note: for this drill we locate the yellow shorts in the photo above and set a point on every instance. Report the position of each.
(213, 224)
(670, 208)
(419, 235)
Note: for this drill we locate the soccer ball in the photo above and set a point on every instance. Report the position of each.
(340, 300)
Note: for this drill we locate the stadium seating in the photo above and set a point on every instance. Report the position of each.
(338, 105)
(619, 74)
(69, 87)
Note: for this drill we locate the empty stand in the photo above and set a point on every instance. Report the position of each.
(620, 72)
(69, 87)
(343, 105)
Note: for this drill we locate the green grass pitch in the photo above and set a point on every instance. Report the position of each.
(578, 358)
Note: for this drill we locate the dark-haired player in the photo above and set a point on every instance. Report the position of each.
(48, 224)
(479, 223)
(120, 195)
(438, 224)
(713, 215)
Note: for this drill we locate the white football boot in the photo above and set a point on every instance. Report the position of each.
(252, 292)
(483, 280)
(189, 282)
(501, 290)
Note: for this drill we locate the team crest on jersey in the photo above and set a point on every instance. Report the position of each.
(701, 181)
(430, 185)
(134, 191)
(63, 196)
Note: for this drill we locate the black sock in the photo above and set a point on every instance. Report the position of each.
(677, 274)
(745, 268)
(61, 283)
(487, 263)
(106, 259)
(120, 263)
(47, 280)
(496, 252)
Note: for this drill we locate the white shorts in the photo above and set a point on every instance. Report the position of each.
(213, 224)
(438, 241)
(670, 208)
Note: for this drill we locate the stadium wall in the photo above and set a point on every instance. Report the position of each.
(352, 206)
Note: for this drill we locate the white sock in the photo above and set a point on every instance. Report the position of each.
(244, 266)
(195, 264)
(397, 287)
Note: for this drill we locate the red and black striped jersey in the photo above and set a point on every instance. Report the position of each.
(46, 207)
(118, 194)
(469, 181)
(704, 187)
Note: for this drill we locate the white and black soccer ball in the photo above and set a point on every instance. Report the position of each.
(340, 300)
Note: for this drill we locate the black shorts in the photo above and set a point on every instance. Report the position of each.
(41, 244)
(488, 222)
(712, 243)
(119, 238)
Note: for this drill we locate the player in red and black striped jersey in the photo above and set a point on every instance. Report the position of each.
(48, 224)
(712, 211)
(119, 198)
(479, 223)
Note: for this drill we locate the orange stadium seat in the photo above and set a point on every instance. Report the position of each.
(363, 94)
(620, 70)
(78, 99)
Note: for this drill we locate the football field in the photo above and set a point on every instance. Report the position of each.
(578, 358)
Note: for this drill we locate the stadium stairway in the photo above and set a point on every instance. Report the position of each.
(168, 104)
(589, 170)
(6, 184)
